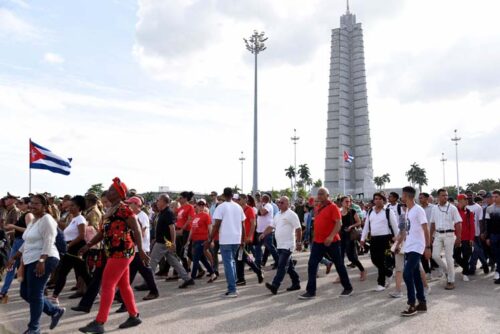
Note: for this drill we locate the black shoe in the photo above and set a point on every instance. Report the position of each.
(260, 277)
(201, 273)
(346, 293)
(131, 322)
(274, 266)
(150, 296)
(412, 310)
(421, 307)
(80, 309)
(241, 283)
(293, 288)
(93, 328)
(76, 295)
(56, 317)
(306, 296)
(294, 262)
(142, 287)
(351, 265)
(75, 288)
(486, 270)
(497, 281)
(121, 309)
(187, 283)
(272, 288)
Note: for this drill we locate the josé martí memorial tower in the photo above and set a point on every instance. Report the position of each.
(348, 127)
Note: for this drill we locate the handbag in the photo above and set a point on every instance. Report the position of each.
(354, 234)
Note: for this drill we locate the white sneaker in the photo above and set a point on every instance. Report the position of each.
(230, 295)
(388, 281)
(427, 290)
(466, 278)
(396, 294)
(497, 275)
(379, 288)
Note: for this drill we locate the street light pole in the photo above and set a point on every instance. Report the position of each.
(295, 139)
(443, 160)
(255, 44)
(456, 139)
(242, 159)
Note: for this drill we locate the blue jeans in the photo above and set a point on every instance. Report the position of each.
(32, 291)
(228, 253)
(198, 256)
(285, 265)
(318, 251)
(411, 276)
(268, 243)
(478, 253)
(495, 248)
(18, 242)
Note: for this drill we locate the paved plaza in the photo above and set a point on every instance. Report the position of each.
(471, 307)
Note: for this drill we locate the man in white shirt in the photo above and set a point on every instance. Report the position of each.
(264, 219)
(382, 226)
(288, 233)
(417, 243)
(446, 229)
(230, 224)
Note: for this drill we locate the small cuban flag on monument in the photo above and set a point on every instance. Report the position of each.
(347, 157)
(42, 158)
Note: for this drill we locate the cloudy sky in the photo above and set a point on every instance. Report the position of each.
(160, 93)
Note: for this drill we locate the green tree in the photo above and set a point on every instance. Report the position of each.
(304, 173)
(318, 183)
(303, 193)
(485, 184)
(287, 192)
(380, 181)
(291, 174)
(236, 189)
(417, 175)
(97, 189)
(149, 197)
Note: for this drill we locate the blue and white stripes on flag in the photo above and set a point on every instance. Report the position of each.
(347, 157)
(42, 158)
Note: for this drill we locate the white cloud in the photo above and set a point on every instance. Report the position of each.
(53, 58)
(11, 25)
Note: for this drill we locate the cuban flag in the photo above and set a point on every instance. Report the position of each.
(42, 158)
(347, 157)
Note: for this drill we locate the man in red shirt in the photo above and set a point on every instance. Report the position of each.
(463, 252)
(250, 224)
(327, 224)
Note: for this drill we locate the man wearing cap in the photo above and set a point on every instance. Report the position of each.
(446, 229)
(230, 224)
(12, 212)
(264, 219)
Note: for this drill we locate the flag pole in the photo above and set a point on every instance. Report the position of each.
(29, 165)
(343, 170)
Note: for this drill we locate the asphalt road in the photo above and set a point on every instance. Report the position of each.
(472, 307)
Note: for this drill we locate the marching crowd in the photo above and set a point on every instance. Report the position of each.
(106, 240)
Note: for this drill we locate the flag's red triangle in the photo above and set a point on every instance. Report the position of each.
(35, 154)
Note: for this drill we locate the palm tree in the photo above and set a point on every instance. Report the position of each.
(309, 183)
(236, 189)
(318, 183)
(304, 173)
(290, 173)
(417, 175)
(378, 182)
(386, 178)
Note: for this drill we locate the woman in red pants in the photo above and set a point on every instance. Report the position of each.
(120, 232)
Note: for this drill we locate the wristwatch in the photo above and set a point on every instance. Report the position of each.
(41, 260)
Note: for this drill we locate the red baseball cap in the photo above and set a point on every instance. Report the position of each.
(461, 196)
(134, 200)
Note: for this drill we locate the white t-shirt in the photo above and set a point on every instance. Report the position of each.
(232, 216)
(377, 225)
(285, 224)
(445, 217)
(415, 238)
(264, 221)
(478, 213)
(71, 231)
(143, 220)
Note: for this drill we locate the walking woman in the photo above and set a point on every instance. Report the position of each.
(18, 228)
(119, 231)
(185, 216)
(39, 258)
(74, 234)
(350, 221)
